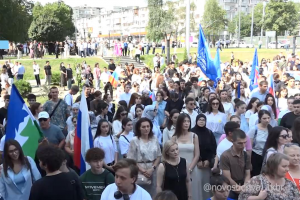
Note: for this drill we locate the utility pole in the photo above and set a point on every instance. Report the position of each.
(187, 27)
(239, 36)
(252, 21)
(263, 18)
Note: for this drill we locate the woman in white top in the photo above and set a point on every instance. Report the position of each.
(36, 72)
(126, 136)
(117, 122)
(216, 117)
(69, 147)
(251, 108)
(282, 99)
(170, 129)
(136, 77)
(228, 107)
(106, 142)
(277, 138)
(4, 79)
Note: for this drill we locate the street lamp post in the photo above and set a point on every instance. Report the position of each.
(252, 20)
(263, 18)
(239, 36)
(168, 37)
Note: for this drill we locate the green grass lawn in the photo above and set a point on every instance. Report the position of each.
(244, 54)
(55, 64)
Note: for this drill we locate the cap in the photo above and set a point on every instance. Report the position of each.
(44, 115)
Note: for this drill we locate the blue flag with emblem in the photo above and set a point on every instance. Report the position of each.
(211, 68)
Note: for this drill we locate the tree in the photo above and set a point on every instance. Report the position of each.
(159, 20)
(281, 16)
(245, 28)
(52, 22)
(214, 18)
(15, 20)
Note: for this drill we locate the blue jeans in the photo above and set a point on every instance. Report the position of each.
(20, 76)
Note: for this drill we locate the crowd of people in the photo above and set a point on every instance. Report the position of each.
(165, 134)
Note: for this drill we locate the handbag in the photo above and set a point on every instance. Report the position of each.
(142, 179)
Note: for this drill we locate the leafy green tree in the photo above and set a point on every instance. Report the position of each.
(159, 20)
(281, 16)
(15, 20)
(214, 18)
(52, 22)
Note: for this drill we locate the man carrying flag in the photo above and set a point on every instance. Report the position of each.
(83, 139)
(21, 124)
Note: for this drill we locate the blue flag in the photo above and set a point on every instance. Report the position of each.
(211, 68)
(239, 90)
(21, 124)
(254, 75)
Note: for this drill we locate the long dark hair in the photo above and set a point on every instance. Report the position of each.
(34, 107)
(98, 131)
(260, 114)
(138, 127)
(296, 130)
(136, 107)
(180, 120)
(7, 162)
(252, 100)
(221, 108)
(118, 113)
(274, 104)
(272, 140)
(170, 122)
(133, 97)
(124, 123)
(108, 87)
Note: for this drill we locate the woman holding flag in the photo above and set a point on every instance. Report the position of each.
(18, 174)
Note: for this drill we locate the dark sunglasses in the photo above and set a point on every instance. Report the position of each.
(215, 104)
(74, 122)
(284, 136)
(43, 119)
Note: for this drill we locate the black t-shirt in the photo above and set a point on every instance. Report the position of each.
(171, 72)
(69, 73)
(63, 186)
(3, 114)
(48, 70)
(288, 119)
(9, 73)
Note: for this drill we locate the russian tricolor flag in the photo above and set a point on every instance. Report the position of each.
(114, 79)
(271, 85)
(152, 96)
(83, 140)
(254, 75)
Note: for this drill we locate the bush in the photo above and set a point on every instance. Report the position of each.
(23, 87)
(55, 80)
(185, 56)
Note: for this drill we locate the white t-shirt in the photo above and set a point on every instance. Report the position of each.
(36, 69)
(223, 146)
(282, 104)
(108, 145)
(228, 107)
(124, 144)
(248, 114)
(69, 99)
(216, 122)
(193, 117)
(139, 194)
(116, 127)
(126, 97)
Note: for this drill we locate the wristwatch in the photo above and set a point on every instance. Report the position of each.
(190, 170)
(154, 167)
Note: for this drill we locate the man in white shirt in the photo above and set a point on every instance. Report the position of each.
(69, 97)
(125, 187)
(189, 109)
(126, 95)
(36, 72)
(85, 48)
(105, 76)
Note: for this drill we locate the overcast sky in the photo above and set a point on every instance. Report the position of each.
(98, 3)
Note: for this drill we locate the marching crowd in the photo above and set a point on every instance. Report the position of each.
(166, 134)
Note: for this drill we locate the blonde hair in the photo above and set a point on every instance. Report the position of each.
(166, 148)
(292, 147)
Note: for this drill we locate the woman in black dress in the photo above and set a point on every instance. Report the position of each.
(208, 147)
(173, 173)
(63, 75)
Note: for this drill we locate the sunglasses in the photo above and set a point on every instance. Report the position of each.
(215, 104)
(123, 114)
(43, 119)
(75, 122)
(122, 82)
(284, 136)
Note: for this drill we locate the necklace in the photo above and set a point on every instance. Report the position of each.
(176, 169)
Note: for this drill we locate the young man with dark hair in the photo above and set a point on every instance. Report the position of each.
(31, 99)
(48, 73)
(288, 119)
(261, 92)
(56, 184)
(189, 109)
(125, 187)
(96, 179)
(3, 110)
(236, 164)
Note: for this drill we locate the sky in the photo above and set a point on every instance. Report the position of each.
(98, 3)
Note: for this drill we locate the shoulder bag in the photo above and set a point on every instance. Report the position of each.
(54, 109)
